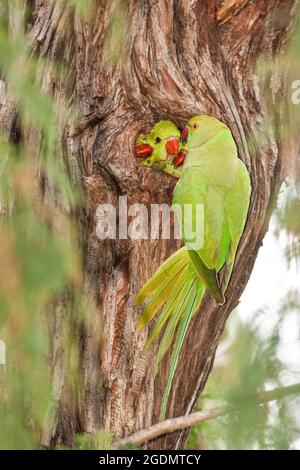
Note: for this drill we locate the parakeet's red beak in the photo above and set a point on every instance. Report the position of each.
(172, 146)
(143, 151)
(179, 159)
(184, 134)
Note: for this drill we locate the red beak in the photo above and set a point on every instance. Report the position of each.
(179, 159)
(184, 134)
(143, 151)
(172, 146)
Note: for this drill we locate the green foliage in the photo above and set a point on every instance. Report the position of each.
(114, 47)
(249, 365)
(39, 255)
(82, 7)
(99, 440)
(40, 259)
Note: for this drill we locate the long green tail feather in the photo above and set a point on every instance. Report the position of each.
(165, 313)
(167, 268)
(176, 316)
(196, 294)
(162, 293)
(177, 287)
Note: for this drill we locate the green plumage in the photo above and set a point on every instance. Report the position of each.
(157, 138)
(214, 177)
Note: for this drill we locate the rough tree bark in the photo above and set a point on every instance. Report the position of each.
(180, 58)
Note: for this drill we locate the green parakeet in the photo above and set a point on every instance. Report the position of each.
(160, 148)
(213, 176)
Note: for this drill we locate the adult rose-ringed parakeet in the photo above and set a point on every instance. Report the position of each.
(212, 175)
(160, 148)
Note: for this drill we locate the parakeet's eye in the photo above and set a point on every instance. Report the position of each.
(158, 140)
(195, 126)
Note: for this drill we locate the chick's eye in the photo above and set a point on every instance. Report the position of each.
(158, 140)
(195, 126)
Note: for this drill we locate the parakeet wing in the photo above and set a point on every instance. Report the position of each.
(236, 208)
(192, 189)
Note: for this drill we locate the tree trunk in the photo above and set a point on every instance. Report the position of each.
(177, 59)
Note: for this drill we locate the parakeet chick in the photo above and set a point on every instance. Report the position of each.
(160, 148)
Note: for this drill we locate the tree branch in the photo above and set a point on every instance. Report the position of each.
(170, 425)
